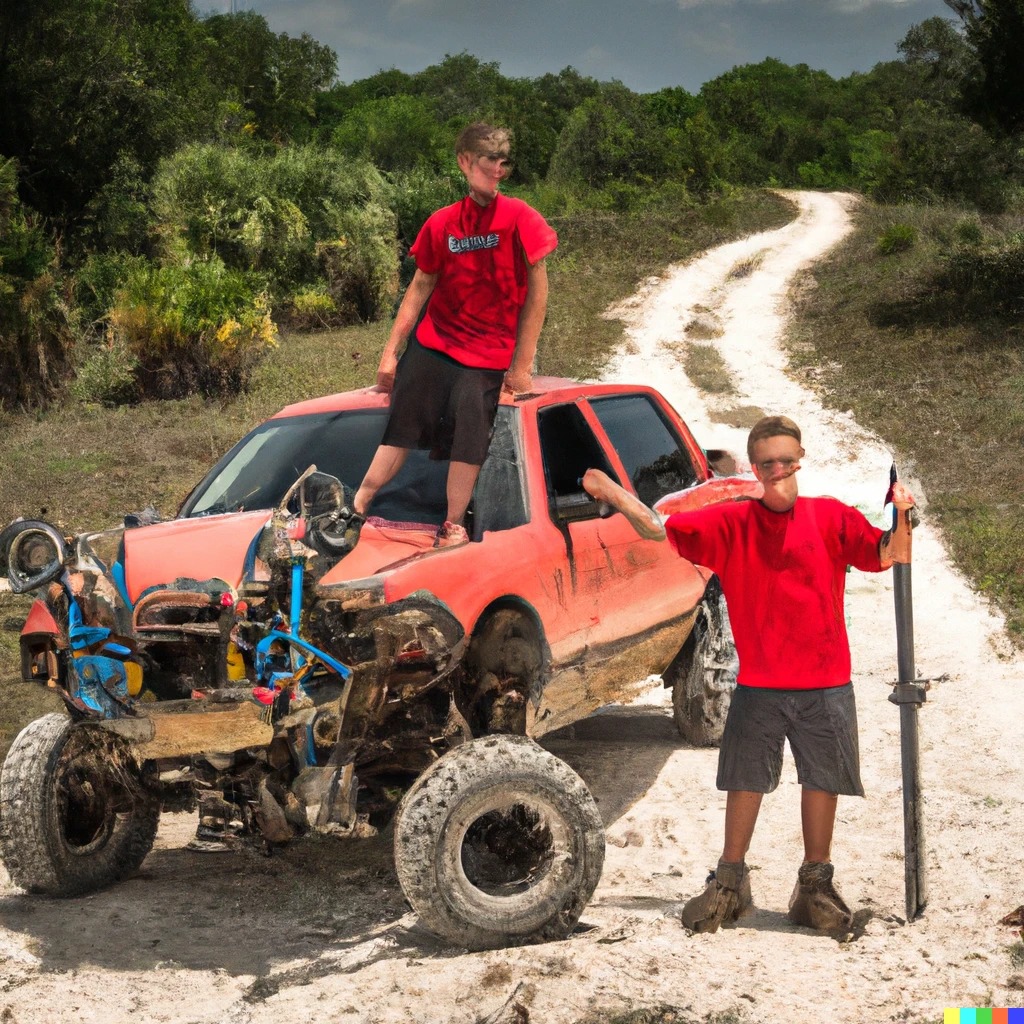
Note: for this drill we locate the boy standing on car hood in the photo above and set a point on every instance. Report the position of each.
(782, 564)
(480, 263)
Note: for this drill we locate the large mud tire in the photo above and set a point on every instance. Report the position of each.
(704, 674)
(499, 843)
(74, 816)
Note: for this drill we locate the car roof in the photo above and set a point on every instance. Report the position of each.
(545, 390)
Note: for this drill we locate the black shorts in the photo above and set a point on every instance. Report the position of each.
(442, 406)
(821, 726)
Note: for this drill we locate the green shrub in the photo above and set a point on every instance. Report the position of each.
(197, 326)
(897, 238)
(271, 214)
(396, 133)
(312, 309)
(360, 266)
(989, 277)
(38, 323)
(417, 193)
(98, 279)
(969, 232)
(108, 376)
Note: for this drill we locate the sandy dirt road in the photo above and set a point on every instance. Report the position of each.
(321, 932)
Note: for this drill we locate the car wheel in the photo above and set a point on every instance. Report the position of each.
(499, 843)
(74, 815)
(703, 676)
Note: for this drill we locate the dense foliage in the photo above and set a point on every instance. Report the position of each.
(143, 143)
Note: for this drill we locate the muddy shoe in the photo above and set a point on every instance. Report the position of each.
(816, 902)
(726, 897)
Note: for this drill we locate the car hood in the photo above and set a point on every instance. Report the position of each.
(200, 548)
(215, 547)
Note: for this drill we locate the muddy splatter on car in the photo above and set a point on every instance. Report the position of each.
(251, 660)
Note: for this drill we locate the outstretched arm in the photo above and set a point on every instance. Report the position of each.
(519, 378)
(647, 523)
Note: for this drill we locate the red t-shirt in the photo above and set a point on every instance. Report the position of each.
(783, 576)
(477, 253)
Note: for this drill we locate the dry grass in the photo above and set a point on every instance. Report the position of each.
(740, 416)
(705, 366)
(745, 267)
(937, 374)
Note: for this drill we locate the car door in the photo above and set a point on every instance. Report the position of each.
(649, 583)
(569, 448)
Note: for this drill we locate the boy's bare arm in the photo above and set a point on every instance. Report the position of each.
(408, 313)
(519, 378)
(644, 520)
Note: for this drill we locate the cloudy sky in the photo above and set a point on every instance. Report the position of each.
(645, 43)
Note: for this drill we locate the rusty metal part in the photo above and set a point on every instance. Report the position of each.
(168, 732)
(605, 674)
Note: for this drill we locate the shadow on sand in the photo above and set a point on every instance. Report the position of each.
(334, 904)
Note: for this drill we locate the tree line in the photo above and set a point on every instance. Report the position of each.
(170, 181)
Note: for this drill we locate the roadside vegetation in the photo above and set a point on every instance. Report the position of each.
(923, 341)
(177, 190)
(199, 224)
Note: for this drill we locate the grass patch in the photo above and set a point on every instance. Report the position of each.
(705, 366)
(745, 267)
(897, 238)
(1015, 952)
(740, 416)
(936, 373)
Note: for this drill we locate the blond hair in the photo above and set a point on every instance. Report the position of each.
(481, 138)
(771, 426)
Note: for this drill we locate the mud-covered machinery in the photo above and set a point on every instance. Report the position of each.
(202, 691)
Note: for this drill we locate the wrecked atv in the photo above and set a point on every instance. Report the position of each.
(251, 657)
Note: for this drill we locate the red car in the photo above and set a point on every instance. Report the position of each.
(229, 656)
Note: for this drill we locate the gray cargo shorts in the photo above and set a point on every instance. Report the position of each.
(821, 726)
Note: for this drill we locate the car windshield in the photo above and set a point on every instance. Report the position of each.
(258, 471)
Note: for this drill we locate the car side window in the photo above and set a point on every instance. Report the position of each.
(655, 457)
(569, 448)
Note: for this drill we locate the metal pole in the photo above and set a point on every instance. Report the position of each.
(913, 833)
(909, 694)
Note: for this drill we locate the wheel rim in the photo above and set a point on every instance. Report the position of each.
(90, 795)
(510, 854)
(507, 852)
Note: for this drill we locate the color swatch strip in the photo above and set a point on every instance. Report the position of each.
(995, 1015)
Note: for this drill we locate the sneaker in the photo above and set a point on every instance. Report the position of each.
(725, 898)
(451, 535)
(816, 902)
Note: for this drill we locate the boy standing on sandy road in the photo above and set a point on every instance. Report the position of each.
(480, 263)
(782, 565)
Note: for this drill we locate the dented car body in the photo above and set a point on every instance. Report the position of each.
(230, 657)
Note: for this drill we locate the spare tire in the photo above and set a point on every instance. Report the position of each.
(499, 843)
(74, 815)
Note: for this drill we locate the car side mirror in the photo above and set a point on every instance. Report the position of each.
(725, 463)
